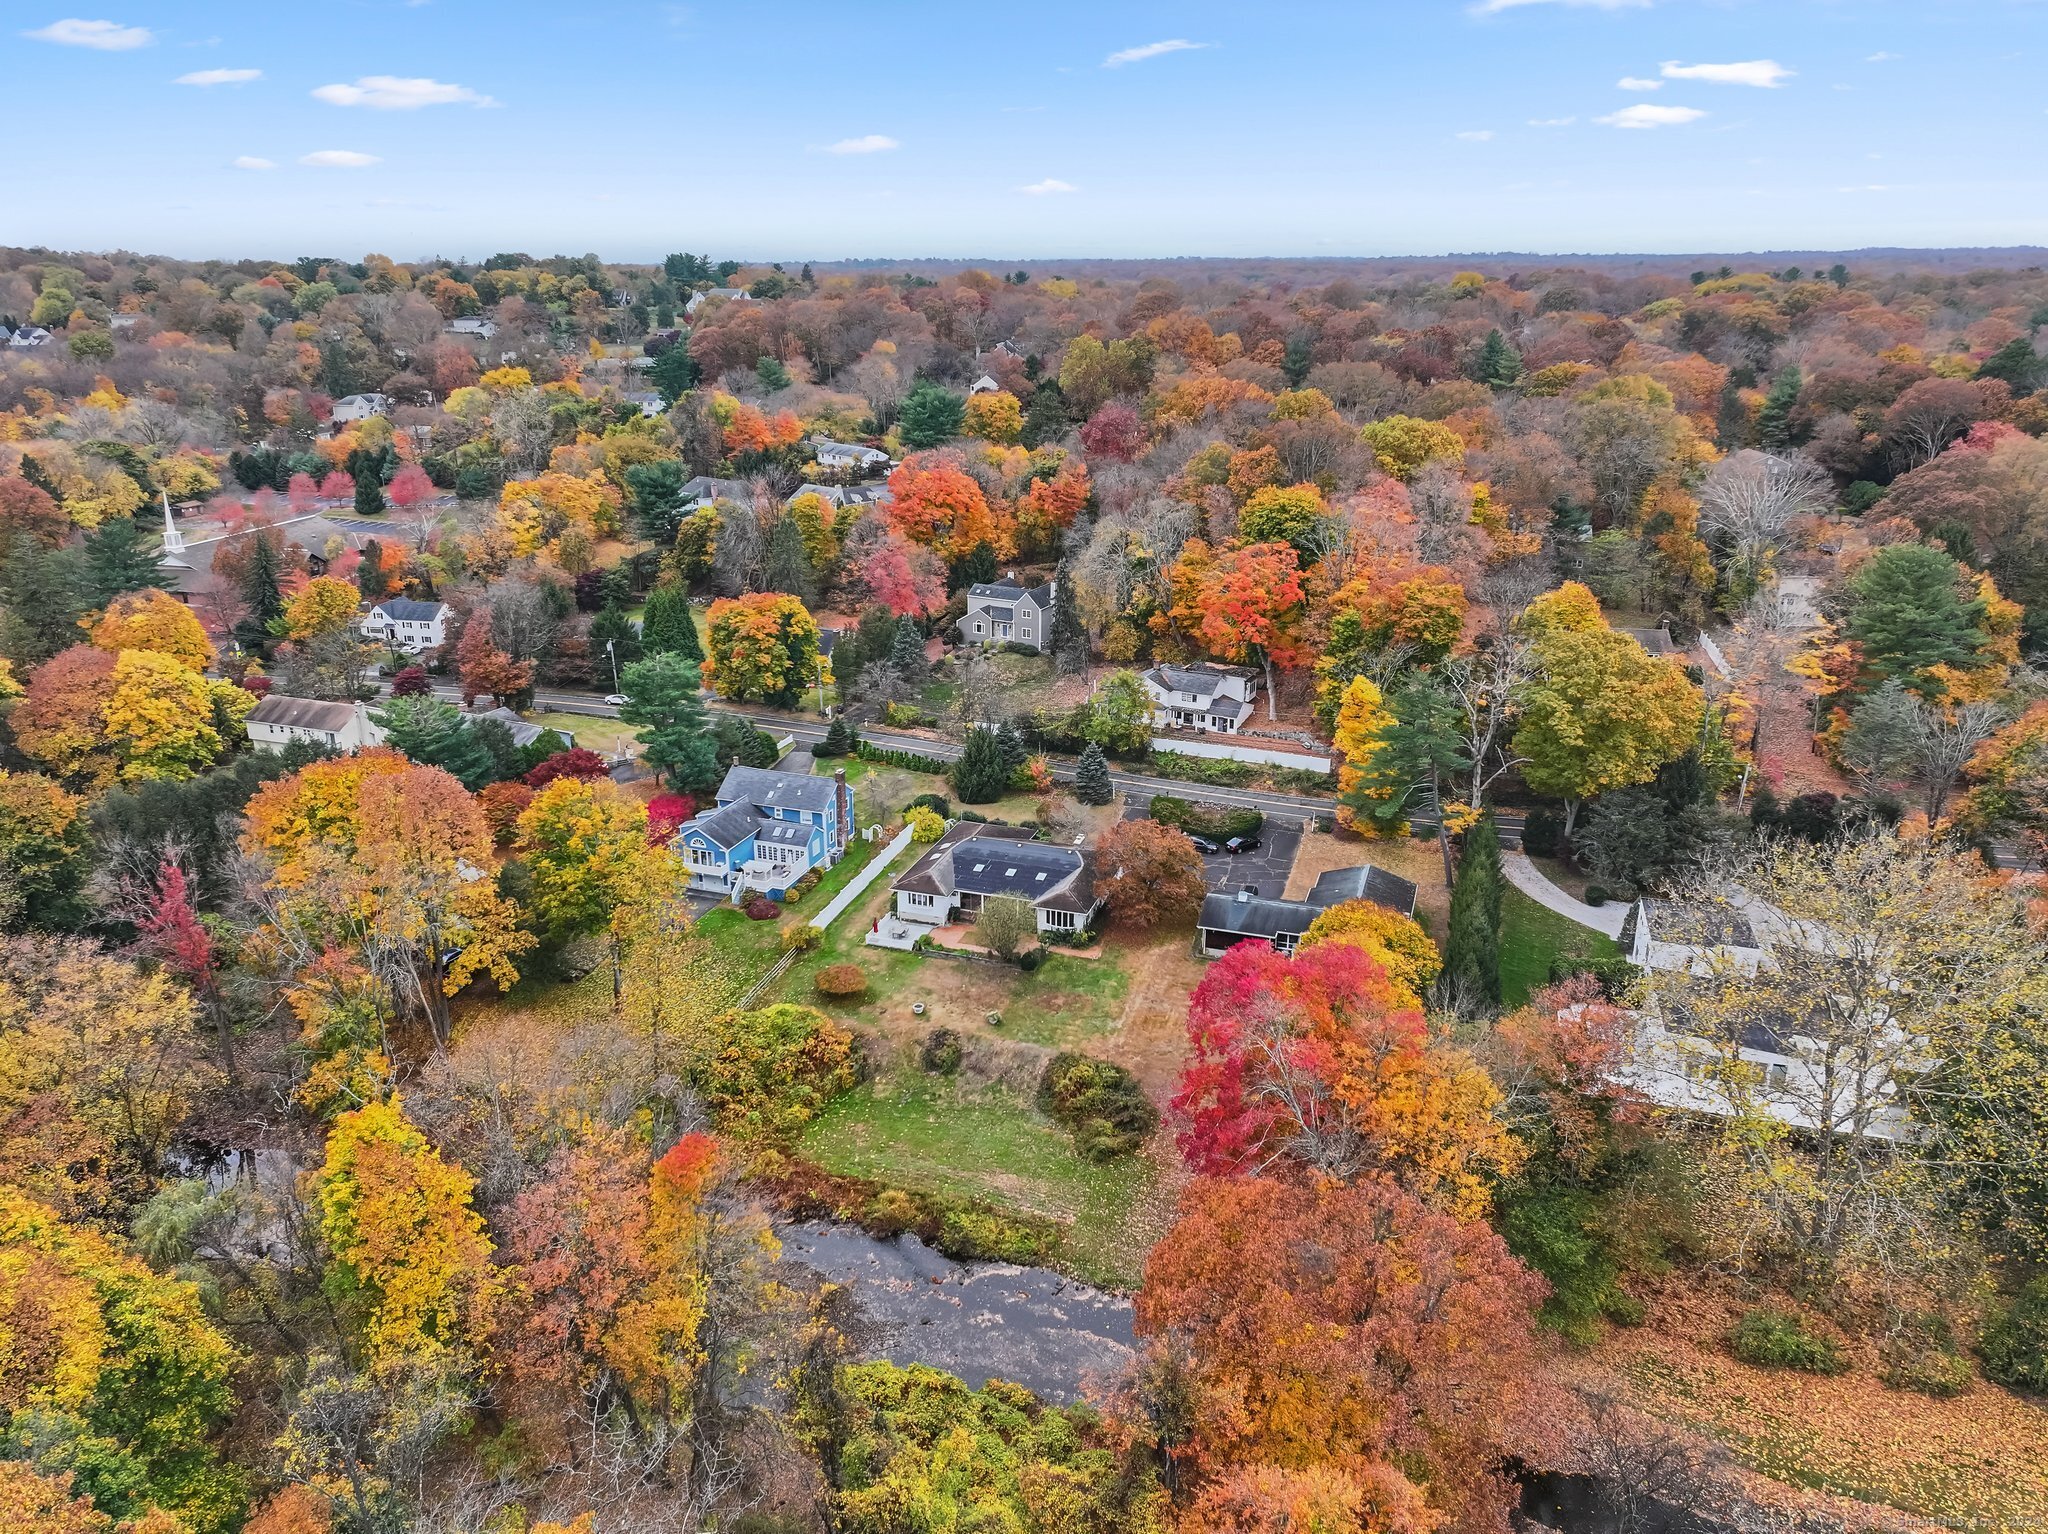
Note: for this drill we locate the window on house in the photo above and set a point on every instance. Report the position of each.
(1774, 1077)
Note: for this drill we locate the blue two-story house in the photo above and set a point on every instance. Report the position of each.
(769, 829)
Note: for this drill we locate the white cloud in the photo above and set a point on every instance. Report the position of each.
(1637, 83)
(338, 159)
(1047, 187)
(1552, 122)
(1476, 135)
(219, 77)
(1494, 7)
(868, 143)
(253, 162)
(1766, 74)
(393, 93)
(1643, 115)
(1881, 57)
(1138, 55)
(107, 36)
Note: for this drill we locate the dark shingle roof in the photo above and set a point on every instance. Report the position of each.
(777, 790)
(1030, 869)
(1363, 883)
(726, 827)
(1256, 916)
(407, 610)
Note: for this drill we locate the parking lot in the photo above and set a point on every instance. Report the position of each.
(1266, 869)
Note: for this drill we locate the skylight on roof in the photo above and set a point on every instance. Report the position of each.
(1041, 878)
(978, 867)
(1009, 873)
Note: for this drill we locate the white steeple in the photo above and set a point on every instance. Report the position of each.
(174, 541)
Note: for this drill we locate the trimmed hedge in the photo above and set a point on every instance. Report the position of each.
(1099, 1103)
(908, 760)
(1215, 821)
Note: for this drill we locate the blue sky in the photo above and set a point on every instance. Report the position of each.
(895, 129)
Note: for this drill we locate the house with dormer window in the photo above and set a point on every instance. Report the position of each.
(973, 862)
(767, 830)
(1204, 697)
(1007, 612)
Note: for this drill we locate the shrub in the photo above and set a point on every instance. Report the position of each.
(1099, 1103)
(1217, 822)
(890, 1213)
(842, 981)
(1031, 958)
(1596, 895)
(800, 937)
(803, 886)
(1557, 1231)
(908, 760)
(1778, 1339)
(1543, 833)
(771, 1070)
(1926, 1367)
(925, 825)
(938, 804)
(939, 1052)
(978, 1233)
(903, 716)
(576, 762)
(1618, 978)
(761, 908)
(665, 814)
(2015, 1343)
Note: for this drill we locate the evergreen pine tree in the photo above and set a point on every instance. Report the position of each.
(1472, 945)
(839, 740)
(788, 566)
(1774, 421)
(1091, 778)
(1068, 639)
(871, 640)
(673, 373)
(980, 776)
(1499, 364)
(661, 694)
(906, 653)
(1012, 747)
(666, 627)
(43, 592)
(1045, 415)
(974, 568)
(121, 555)
(370, 570)
(262, 595)
(613, 628)
(434, 734)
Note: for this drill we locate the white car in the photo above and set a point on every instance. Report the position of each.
(615, 699)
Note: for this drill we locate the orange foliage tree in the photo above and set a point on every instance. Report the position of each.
(938, 504)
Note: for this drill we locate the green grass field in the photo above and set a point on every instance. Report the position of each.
(926, 1136)
(1531, 936)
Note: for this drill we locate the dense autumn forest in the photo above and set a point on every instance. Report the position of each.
(390, 1139)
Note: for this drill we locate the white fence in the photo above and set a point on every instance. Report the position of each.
(1243, 754)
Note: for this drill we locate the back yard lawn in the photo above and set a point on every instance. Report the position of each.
(1531, 936)
(924, 1135)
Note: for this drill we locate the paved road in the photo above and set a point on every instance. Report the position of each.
(810, 732)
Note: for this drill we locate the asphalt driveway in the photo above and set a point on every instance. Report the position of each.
(1266, 869)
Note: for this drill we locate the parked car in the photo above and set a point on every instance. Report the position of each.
(1203, 845)
(1239, 844)
(615, 699)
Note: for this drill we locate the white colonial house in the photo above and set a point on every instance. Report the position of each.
(973, 862)
(277, 721)
(767, 831)
(29, 335)
(696, 301)
(847, 455)
(1008, 612)
(1204, 696)
(401, 623)
(1774, 1067)
(360, 407)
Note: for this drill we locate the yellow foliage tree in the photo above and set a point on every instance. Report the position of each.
(995, 416)
(157, 622)
(1395, 942)
(410, 1256)
(167, 718)
(323, 605)
(1402, 444)
(1363, 719)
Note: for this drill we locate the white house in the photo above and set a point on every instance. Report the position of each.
(731, 295)
(769, 829)
(277, 721)
(701, 490)
(984, 385)
(847, 455)
(649, 404)
(407, 625)
(1790, 1076)
(972, 862)
(472, 328)
(360, 407)
(1204, 697)
(29, 335)
(1008, 612)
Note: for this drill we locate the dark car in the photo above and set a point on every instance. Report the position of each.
(1239, 844)
(1203, 844)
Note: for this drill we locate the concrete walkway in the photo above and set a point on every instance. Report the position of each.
(1530, 880)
